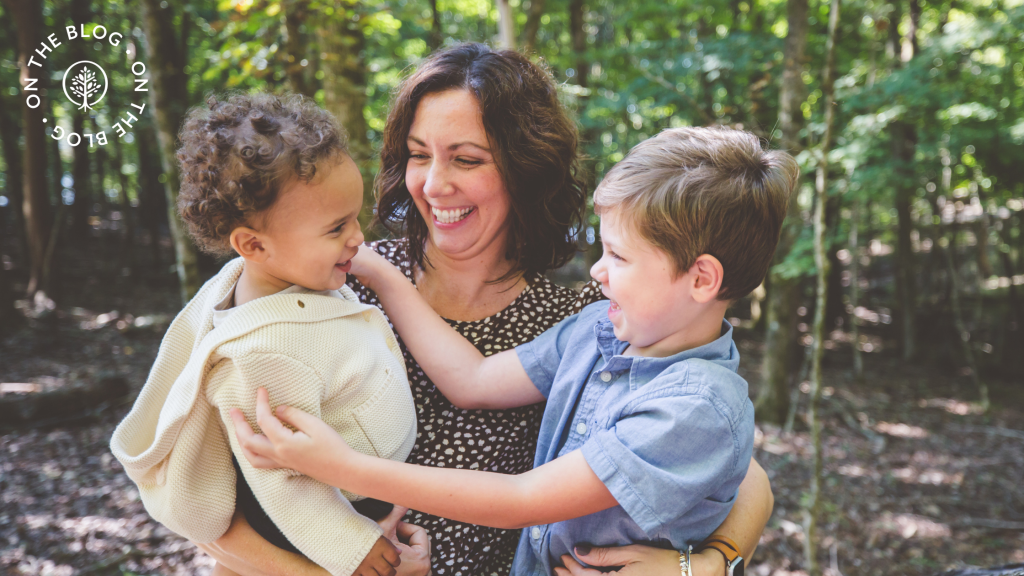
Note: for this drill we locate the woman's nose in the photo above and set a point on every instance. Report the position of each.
(438, 182)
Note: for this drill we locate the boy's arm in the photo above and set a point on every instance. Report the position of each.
(559, 490)
(457, 368)
(314, 517)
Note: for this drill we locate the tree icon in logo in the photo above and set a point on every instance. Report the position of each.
(85, 84)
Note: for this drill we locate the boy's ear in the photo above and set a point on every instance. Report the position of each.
(248, 243)
(708, 274)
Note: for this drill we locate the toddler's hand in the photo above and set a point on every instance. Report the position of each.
(313, 449)
(381, 561)
(367, 265)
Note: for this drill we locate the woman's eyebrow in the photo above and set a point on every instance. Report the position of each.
(454, 146)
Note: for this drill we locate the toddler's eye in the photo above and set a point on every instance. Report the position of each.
(337, 228)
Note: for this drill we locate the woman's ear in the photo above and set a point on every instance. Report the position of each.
(248, 243)
(708, 275)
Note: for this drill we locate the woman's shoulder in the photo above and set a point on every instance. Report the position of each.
(554, 297)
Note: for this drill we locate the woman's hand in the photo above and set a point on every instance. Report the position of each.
(313, 449)
(411, 540)
(639, 560)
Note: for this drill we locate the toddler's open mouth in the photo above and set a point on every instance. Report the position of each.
(344, 266)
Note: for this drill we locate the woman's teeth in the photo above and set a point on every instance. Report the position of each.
(450, 216)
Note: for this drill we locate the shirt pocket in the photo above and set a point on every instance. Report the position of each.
(388, 418)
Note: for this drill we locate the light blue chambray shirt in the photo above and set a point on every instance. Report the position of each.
(671, 438)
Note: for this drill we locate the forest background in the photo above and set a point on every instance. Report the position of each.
(891, 322)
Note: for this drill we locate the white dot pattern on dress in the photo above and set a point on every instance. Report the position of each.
(501, 441)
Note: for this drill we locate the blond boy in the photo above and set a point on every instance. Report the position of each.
(648, 430)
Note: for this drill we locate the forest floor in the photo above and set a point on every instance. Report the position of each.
(917, 480)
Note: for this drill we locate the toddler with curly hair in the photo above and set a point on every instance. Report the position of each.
(269, 178)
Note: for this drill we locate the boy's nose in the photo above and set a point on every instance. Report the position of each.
(598, 271)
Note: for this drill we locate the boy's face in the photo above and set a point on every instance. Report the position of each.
(649, 304)
(312, 231)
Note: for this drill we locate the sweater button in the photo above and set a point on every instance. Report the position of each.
(301, 304)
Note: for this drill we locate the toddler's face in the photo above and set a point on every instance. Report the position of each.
(648, 303)
(312, 230)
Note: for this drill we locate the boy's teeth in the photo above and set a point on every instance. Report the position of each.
(450, 216)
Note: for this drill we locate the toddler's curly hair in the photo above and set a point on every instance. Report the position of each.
(237, 151)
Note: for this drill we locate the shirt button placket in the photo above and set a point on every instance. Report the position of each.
(606, 376)
(535, 533)
(581, 428)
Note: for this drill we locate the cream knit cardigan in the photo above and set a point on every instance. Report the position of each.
(326, 354)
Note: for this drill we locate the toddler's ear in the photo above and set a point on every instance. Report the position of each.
(708, 274)
(248, 243)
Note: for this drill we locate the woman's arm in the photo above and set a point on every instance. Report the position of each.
(244, 551)
(457, 368)
(744, 524)
(562, 489)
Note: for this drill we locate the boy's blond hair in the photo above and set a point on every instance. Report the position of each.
(693, 191)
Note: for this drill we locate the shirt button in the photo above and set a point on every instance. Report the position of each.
(535, 533)
(581, 428)
(606, 376)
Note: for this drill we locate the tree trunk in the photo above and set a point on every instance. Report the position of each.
(169, 99)
(506, 26)
(903, 142)
(854, 247)
(784, 293)
(127, 258)
(296, 12)
(577, 10)
(152, 200)
(533, 25)
(436, 34)
(80, 169)
(10, 135)
(345, 91)
(35, 205)
(812, 509)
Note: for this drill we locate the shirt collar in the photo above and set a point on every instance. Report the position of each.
(721, 351)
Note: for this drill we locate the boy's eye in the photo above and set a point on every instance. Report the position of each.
(337, 228)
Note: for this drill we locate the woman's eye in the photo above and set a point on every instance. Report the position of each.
(417, 156)
(468, 161)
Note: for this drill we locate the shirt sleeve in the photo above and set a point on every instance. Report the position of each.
(669, 453)
(540, 357)
(314, 516)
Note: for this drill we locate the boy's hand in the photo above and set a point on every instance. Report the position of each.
(381, 561)
(313, 449)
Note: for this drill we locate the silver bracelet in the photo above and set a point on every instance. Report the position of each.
(684, 562)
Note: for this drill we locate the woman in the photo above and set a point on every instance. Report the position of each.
(480, 179)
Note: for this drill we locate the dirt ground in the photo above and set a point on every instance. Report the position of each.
(917, 480)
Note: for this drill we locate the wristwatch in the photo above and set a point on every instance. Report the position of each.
(728, 549)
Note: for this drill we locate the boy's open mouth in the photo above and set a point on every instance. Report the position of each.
(344, 266)
(450, 216)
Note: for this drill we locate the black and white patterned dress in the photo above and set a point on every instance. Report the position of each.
(493, 440)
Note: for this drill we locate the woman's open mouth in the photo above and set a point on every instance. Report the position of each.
(450, 216)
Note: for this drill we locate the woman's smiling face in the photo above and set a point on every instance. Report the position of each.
(453, 179)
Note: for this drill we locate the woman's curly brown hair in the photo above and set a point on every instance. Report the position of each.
(237, 152)
(535, 144)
